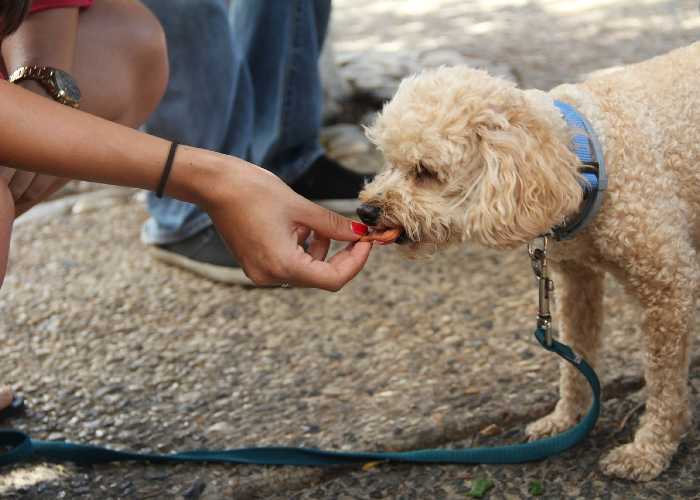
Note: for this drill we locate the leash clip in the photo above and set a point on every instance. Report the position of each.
(538, 259)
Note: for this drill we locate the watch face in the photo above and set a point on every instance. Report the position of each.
(67, 86)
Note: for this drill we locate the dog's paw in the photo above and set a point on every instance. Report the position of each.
(551, 425)
(630, 461)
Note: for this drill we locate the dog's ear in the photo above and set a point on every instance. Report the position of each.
(528, 180)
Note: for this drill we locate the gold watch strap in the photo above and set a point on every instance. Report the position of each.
(32, 72)
(44, 75)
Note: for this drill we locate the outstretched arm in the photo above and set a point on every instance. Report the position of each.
(260, 218)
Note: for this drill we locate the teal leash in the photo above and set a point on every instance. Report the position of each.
(22, 448)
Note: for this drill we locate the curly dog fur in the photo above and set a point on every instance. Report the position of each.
(470, 157)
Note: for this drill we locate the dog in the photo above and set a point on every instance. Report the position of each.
(470, 157)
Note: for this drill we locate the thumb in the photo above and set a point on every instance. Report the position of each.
(331, 224)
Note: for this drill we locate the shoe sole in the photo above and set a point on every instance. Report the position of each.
(345, 207)
(220, 274)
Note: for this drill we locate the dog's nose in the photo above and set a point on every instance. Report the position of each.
(369, 214)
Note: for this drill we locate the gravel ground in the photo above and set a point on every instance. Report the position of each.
(162, 361)
(111, 347)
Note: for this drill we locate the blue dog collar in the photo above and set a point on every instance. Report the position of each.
(586, 146)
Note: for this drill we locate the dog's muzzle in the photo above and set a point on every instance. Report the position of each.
(369, 214)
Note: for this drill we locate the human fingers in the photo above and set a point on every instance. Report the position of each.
(40, 188)
(6, 174)
(318, 247)
(19, 184)
(330, 224)
(333, 274)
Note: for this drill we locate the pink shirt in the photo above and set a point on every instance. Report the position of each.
(39, 5)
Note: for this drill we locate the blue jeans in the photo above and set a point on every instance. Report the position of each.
(248, 86)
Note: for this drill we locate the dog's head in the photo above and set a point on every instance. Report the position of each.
(470, 156)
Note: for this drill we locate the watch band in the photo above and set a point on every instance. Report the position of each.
(42, 74)
(45, 76)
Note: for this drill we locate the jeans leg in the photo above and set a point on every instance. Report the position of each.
(256, 95)
(282, 41)
(207, 97)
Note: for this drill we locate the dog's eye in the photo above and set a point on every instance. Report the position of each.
(423, 173)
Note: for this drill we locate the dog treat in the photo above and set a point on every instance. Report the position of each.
(386, 236)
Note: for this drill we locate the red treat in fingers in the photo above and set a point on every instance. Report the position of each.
(384, 236)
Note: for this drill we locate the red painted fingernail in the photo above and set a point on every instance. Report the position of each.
(359, 228)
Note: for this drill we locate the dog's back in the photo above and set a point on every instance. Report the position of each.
(648, 117)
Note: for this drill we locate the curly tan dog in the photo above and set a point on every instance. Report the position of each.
(470, 157)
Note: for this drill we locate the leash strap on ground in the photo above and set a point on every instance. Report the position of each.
(23, 448)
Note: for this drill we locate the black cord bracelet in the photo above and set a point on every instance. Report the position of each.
(166, 170)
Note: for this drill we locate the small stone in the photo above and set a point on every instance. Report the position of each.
(157, 475)
(230, 312)
(491, 430)
(220, 428)
(195, 490)
(312, 429)
(108, 389)
(487, 325)
(93, 424)
(526, 354)
(332, 391)
(189, 397)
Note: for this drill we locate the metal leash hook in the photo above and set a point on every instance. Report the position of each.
(538, 259)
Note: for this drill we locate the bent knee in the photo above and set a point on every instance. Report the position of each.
(149, 58)
(121, 61)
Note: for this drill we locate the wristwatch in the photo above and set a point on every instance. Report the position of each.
(59, 84)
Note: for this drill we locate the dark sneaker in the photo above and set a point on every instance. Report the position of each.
(204, 254)
(330, 184)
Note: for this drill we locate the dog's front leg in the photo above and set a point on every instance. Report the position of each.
(579, 294)
(665, 283)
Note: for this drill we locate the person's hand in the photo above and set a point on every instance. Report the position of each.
(28, 188)
(265, 224)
